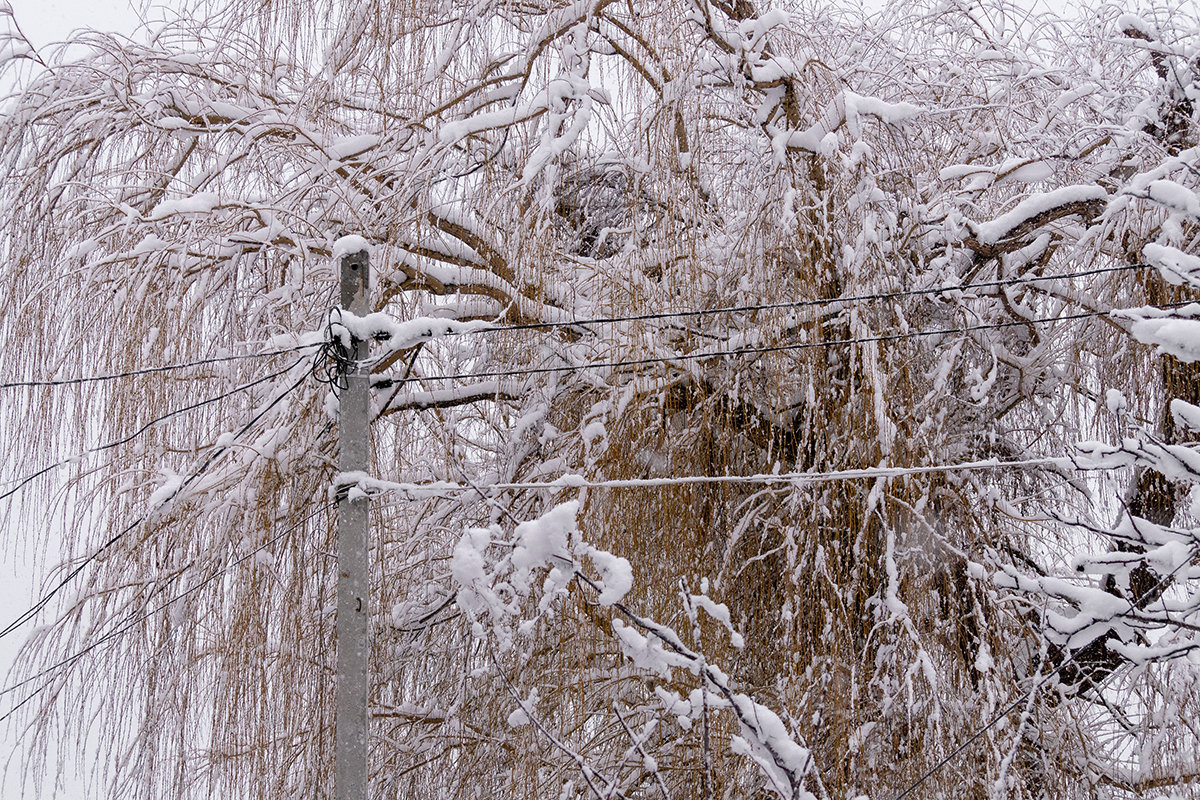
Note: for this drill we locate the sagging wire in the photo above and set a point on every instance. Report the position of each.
(20, 483)
(874, 296)
(217, 452)
(123, 629)
(153, 370)
(384, 382)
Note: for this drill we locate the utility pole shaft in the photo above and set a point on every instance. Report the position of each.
(353, 593)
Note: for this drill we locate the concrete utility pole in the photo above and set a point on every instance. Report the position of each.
(353, 631)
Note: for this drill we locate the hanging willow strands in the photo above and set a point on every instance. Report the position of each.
(688, 240)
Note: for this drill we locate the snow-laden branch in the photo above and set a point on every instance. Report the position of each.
(493, 589)
(1011, 230)
(396, 335)
(846, 109)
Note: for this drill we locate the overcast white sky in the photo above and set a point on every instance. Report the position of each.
(45, 21)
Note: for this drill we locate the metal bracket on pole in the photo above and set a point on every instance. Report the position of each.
(353, 592)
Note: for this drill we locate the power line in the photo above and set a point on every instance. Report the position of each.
(125, 440)
(579, 482)
(108, 637)
(32, 611)
(600, 321)
(153, 370)
(809, 303)
(385, 383)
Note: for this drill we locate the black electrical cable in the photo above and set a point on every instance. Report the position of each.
(108, 637)
(812, 302)
(125, 440)
(154, 370)
(384, 383)
(29, 613)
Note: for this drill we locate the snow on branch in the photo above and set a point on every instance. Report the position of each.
(1144, 604)
(846, 109)
(1176, 462)
(1177, 267)
(540, 561)
(451, 396)
(1173, 336)
(990, 238)
(396, 335)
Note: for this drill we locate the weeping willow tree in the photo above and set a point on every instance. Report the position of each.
(807, 306)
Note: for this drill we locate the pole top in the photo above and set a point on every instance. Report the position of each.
(350, 245)
(353, 255)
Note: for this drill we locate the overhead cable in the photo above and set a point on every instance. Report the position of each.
(153, 370)
(216, 453)
(381, 382)
(19, 483)
(793, 478)
(810, 303)
(120, 631)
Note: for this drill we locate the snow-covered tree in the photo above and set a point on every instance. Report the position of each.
(727, 388)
